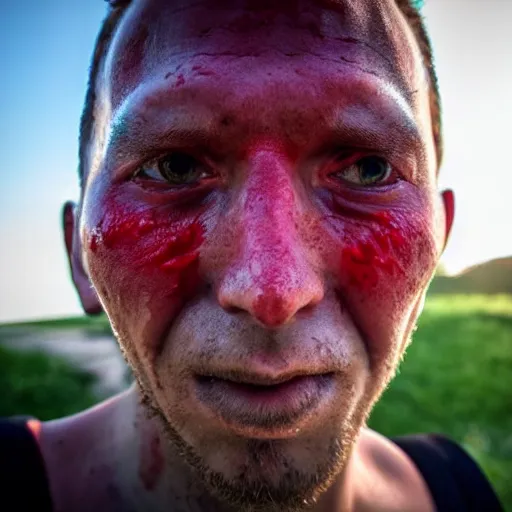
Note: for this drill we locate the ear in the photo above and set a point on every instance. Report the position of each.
(449, 213)
(88, 297)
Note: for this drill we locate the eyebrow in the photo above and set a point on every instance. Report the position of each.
(156, 119)
(390, 122)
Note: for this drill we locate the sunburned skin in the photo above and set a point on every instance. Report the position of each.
(265, 303)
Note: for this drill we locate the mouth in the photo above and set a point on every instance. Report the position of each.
(259, 406)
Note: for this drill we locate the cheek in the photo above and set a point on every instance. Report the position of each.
(389, 251)
(144, 265)
(383, 265)
(374, 254)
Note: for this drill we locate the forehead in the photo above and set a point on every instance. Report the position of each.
(371, 35)
(273, 66)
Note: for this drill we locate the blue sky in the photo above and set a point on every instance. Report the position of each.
(45, 48)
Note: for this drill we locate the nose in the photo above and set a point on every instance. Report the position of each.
(270, 276)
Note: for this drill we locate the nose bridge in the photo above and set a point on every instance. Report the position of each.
(270, 277)
(269, 206)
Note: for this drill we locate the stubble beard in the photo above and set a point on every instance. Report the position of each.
(253, 491)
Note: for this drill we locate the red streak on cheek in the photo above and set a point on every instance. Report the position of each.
(363, 261)
(112, 233)
(143, 244)
(180, 249)
(180, 257)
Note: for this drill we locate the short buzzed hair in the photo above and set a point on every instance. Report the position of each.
(116, 10)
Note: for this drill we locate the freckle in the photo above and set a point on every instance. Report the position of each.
(168, 75)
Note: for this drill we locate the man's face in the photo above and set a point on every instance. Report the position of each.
(260, 221)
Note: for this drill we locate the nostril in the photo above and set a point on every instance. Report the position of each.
(233, 310)
(308, 308)
(269, 290)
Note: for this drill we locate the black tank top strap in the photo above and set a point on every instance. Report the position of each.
(455, 481)
(23, 480)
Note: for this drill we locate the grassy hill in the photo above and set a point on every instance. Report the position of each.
(492, 277)
(456, 379)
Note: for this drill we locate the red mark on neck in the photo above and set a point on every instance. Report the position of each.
(152, 462)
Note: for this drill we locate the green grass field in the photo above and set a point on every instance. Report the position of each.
(456, 379)
(44, 387)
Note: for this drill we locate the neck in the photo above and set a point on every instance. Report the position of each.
(119, 457)
(154, 477)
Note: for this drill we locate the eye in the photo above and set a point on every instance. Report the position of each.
(368, 171)
(176, 169)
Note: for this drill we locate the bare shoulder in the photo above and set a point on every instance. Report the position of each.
(79, 453)
(392, 479)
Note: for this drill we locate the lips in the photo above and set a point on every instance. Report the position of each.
(260, 406)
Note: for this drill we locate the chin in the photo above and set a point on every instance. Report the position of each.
(268, 475)
(269, 478)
